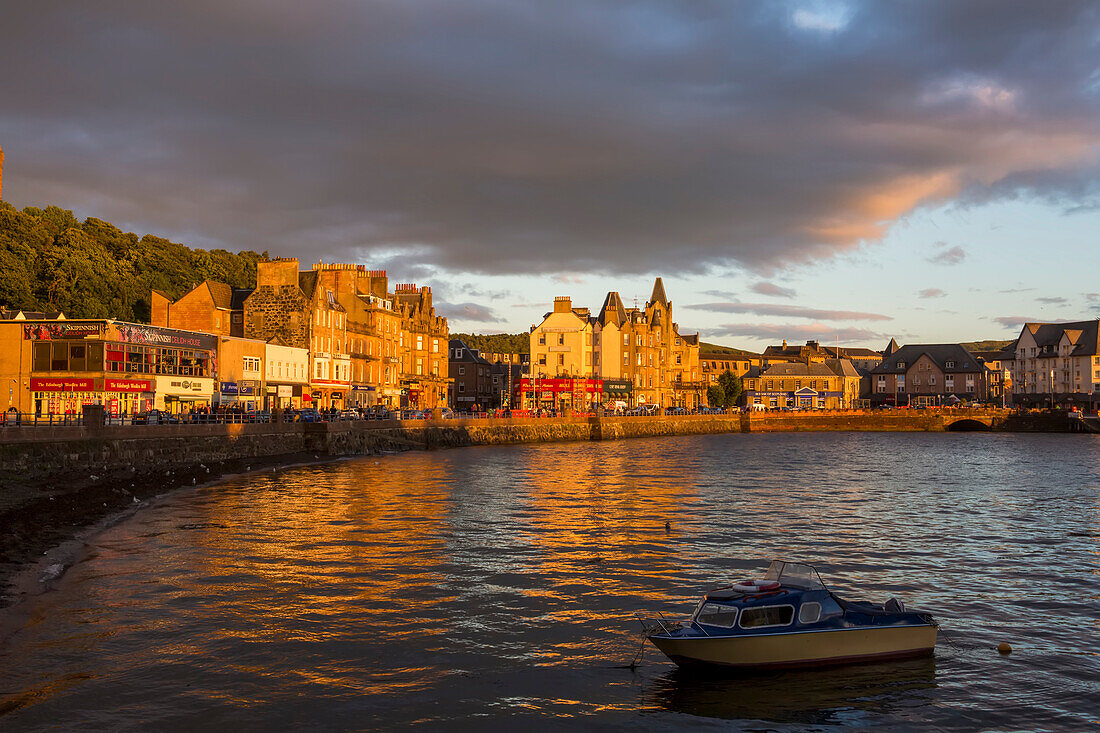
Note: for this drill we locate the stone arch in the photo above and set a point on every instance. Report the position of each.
(968, 425)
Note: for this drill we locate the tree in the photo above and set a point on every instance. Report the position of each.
(731, 387)
(716, 396)
(93, 269)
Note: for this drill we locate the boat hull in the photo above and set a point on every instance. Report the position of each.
(800, 649)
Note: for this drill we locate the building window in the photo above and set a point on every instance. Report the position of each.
(950, 365)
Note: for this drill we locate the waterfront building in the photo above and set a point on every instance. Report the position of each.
(366, 345)
(424, 338)
(471, 377)
(211, 307)
(924, 375)
(811, 353)
(712, 366)
(999, 378)
(56, 366)
(1055, 364)
(290, 305)
(637, 354)
(831, 384)
(240, 381)
(286, 370)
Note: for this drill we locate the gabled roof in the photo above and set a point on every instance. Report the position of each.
(1083, 335)
(963, 360)
(307, 281)
(842, 367)
(612, 311)
(226, 297)
(890, 348)
(468, 355)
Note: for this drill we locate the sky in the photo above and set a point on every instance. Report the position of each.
(841, 171)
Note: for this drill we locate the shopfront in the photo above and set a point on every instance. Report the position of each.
(616, 391)
(533, 393)
(242, 394)
(69, 395)
(126, 368)
(363, 395)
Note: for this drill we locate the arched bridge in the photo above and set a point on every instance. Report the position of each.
(973, 420)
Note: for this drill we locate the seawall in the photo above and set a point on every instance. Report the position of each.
(56, 480)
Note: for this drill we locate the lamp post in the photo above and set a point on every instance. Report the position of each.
(1052, 388)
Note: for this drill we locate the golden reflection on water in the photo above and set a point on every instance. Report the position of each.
(498, 582)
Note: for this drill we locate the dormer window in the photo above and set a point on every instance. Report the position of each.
(950, 365)
(901, 365)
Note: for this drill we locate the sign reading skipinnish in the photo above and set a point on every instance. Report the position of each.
(153, 336)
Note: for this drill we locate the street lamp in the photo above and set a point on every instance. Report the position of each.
(1052, 389)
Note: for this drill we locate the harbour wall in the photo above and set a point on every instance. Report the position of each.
(32, 454)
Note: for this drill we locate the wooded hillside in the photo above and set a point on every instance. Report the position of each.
(92, 269)
(497, 343)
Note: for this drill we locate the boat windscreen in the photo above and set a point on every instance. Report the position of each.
(795, 575)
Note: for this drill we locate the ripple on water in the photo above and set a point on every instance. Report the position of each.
(495, 585)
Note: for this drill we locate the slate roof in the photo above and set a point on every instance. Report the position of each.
(613, 310)
(1083, 334)
(226, 297)
(802, 369)
(659, 293)
(842, 367)
(468, 355)
(890, 348)
(939, 353)
(845, 352)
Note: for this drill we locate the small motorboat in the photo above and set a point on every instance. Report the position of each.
(789, 618)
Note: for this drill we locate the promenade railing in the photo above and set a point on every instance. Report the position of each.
(16, 419)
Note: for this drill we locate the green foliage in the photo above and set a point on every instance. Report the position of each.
(987, 345)
(716, 396)
(731, 387)
(52, 261)
(497, 343)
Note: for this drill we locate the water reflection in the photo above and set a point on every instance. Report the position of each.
(496, 584)
(828, 696)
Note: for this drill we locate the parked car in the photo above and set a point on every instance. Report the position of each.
(307, 414)
(156, 417)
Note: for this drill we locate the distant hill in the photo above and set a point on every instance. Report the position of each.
(705, 348)
(497, 343)
(92, 269)
(988, 345)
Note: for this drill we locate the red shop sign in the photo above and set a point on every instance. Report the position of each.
(128, 385)
(62, 384)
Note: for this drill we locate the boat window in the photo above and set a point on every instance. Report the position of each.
(795, 575)
(714, 614)
(754, 618)
(809, 613)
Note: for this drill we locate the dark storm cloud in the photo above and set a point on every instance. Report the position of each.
(795, 311)
(518, 136)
